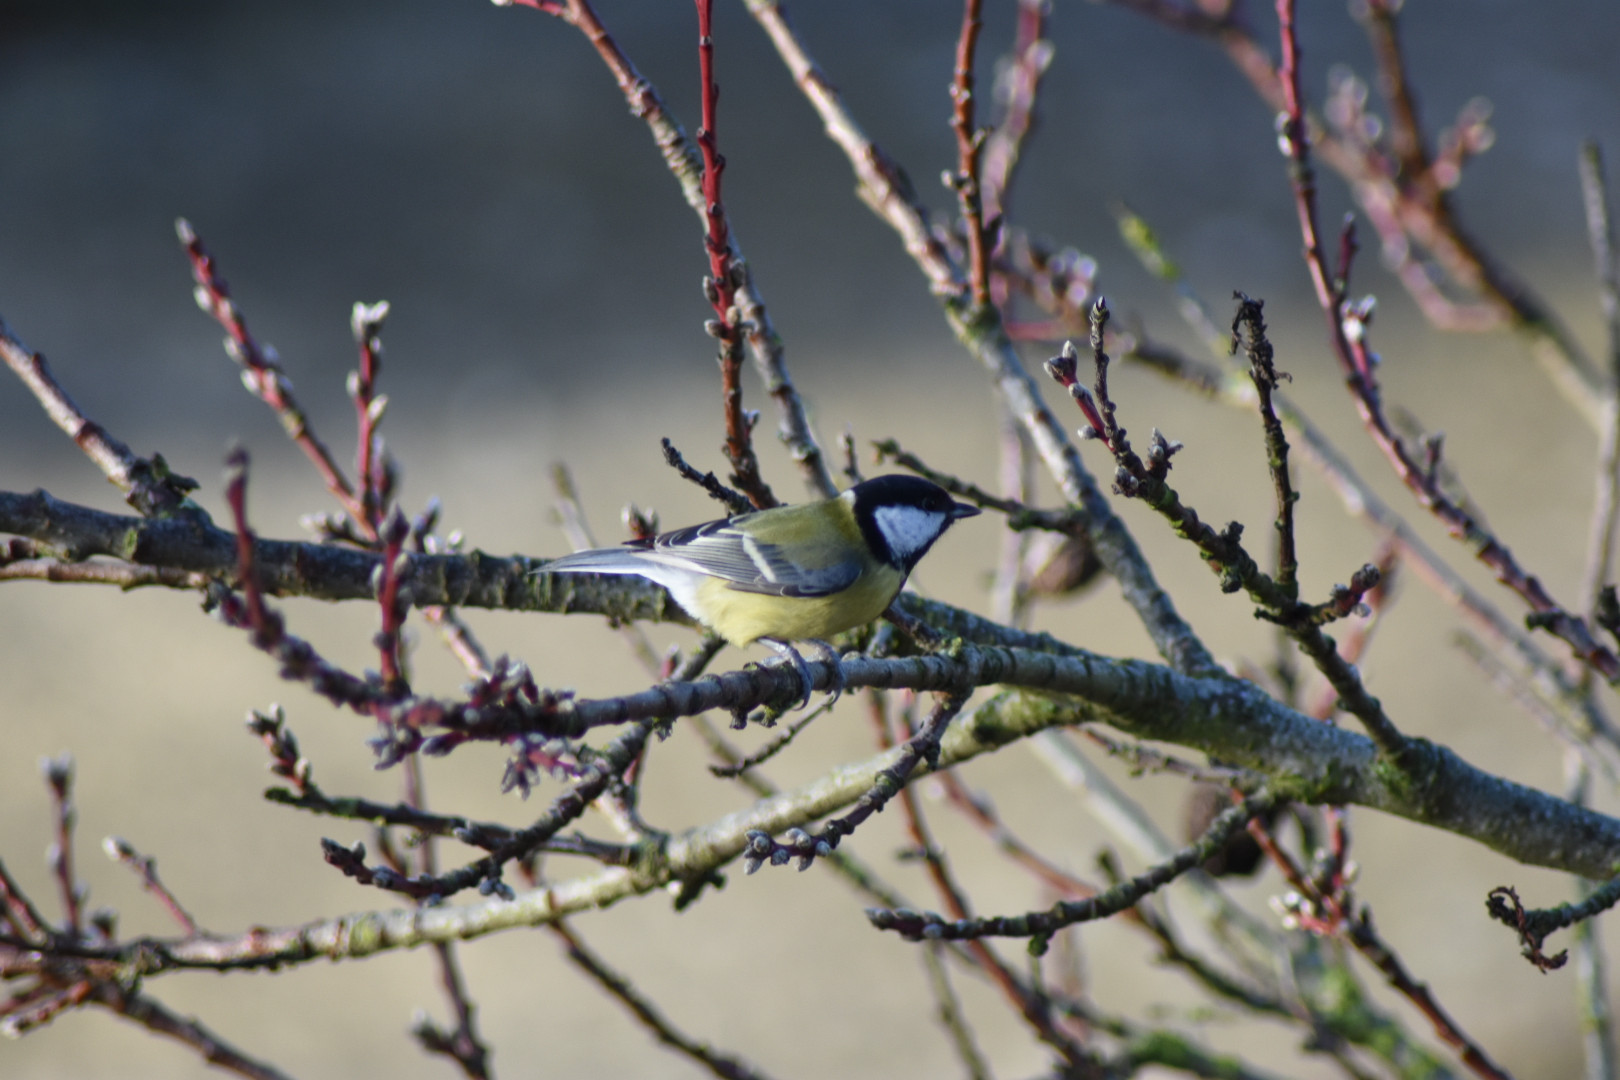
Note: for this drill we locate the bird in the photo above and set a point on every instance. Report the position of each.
(788, 574)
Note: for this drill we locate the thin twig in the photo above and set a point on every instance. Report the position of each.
(879, 184)
(485, 873)
(721, 285)
(121, 850)
(1249, 329)
(969, 147)
(58, 773)
(685, 164)
(1347, 333)
(18, 911)
(1579, 715)
(1401, 216)
(726, 1066)
(1606, 499)
(1224, 550)
(735, 502)
(389, 639)
(770, 749)
(923, 746)
(461, 1044)
(1042, 924)
(147, 484)
(1142, 759)
(954, 898)
(260, 373)
(1332, 912)
(54, 970)
(951, 1016)
(158, 1018)
(371, 465)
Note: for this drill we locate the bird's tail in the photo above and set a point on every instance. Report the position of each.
(598, 561)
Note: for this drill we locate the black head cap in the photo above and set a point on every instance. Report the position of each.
(901, 538)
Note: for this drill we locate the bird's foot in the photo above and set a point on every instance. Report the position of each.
(829, 652)
(807, 684)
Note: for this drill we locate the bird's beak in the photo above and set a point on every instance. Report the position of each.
(963, 510)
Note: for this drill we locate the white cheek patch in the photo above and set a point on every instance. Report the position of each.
(908, 529)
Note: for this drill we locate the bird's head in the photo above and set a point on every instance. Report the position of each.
(902, 516)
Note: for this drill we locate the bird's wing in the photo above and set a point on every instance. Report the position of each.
(720, 549)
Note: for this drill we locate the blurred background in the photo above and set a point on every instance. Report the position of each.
(477, 168)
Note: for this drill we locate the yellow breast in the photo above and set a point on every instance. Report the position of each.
(744, 617)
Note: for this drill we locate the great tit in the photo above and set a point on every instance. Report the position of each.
(790, 573)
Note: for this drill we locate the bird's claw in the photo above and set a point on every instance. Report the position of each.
(807, 685)
(834, 660)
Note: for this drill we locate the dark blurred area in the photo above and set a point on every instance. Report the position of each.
(477, 167)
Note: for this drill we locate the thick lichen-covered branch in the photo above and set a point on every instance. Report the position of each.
(1228, 718)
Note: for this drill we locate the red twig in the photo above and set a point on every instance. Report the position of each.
(559, 8)
(969, 146)
(718, 242)
(258, 615)
(1605, 520)
(370, 465)
(721, 284)
(1347, 331)
(685, 164)
(1402, 213)
(386, 702)
(1368, 942)
(123, 851)
(260, 373)
(367, 509)
(264, 378)
(393, 604)
(59, 778)
(1293, 135)
(17, 911)
(1420, 180)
